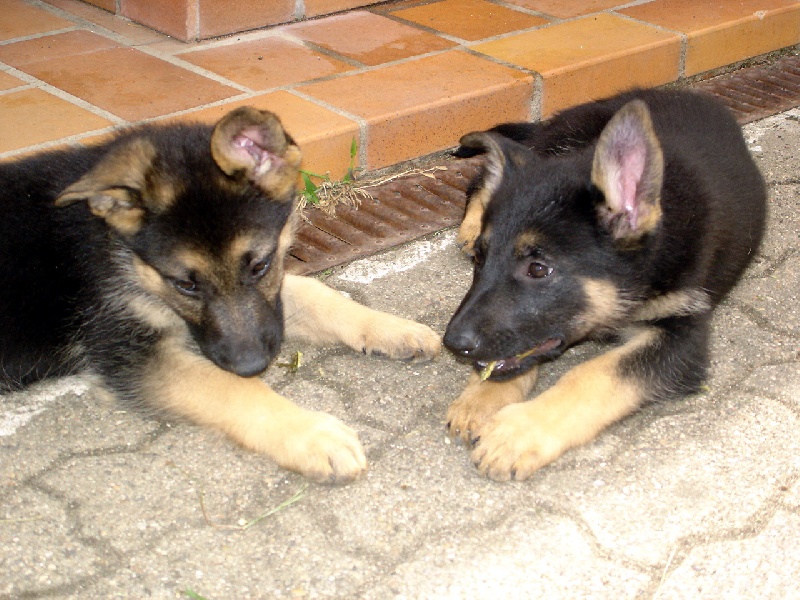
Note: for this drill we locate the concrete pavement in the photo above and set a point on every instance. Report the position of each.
(693, 499)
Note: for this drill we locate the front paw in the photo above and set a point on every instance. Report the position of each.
(322, 448)
(516, 442)
(470, 412)
(399, 338)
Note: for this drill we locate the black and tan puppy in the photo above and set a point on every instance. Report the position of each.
(155, 262)
(630, 217)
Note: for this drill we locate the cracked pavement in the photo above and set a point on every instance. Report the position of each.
(692, 499)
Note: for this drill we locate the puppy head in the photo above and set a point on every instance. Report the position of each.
(555, 258)
(207, 217)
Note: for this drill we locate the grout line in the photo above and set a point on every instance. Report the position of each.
(36, 36)
(683, 37)
(59, 93)
(363, 124)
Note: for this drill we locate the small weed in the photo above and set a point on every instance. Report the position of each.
(324, 193)
(193, 595)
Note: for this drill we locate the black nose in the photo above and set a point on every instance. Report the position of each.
(461, 343)
(249, 364)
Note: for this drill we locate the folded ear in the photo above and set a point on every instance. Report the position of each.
(483, 188)
(252, 143)
(628, 168)
(114, 188)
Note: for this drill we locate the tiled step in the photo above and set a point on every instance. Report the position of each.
(403, 79)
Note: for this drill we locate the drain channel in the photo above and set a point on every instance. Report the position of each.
(413, 206)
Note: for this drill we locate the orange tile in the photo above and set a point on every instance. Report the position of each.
(421, 106)
(8, 82)
(62, 46)
(175, 18)
(590, 57)
(469, 19)
(567, 9)
(32, 116)
(323, 135)
(720, 33)
(220, 17)
(133, 32)
(124, 81)
(104, 4)
(315, 8)
(368, 38)
(18, 19)
(266, 63)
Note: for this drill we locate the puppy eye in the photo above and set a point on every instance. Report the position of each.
(260, 268)
(187, 287)
(538, 270)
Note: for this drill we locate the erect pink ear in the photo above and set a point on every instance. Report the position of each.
(628, 168)
(252, 143)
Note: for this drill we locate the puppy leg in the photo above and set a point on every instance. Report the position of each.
(314, 444)
(522, 438)
(480, 400)
(322, 315)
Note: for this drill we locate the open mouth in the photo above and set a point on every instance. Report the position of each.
(501, 369)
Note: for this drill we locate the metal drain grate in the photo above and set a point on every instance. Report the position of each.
(413, 206)
(758, 92)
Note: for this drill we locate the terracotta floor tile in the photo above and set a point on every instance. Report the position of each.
(18, 19)
(323, 135)
(123, 81)
(720, 33)
(591, 57)
(221, 17)
(63, 46)
(266, 63)
(368, 38)
(8, 82)
(469, 19)
(314, 8)
(427, 104)
(133, 32)
(105, 4)
(176, 18)
(567, 9)
(32, 116)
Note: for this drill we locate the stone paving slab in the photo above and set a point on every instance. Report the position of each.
(692, 499)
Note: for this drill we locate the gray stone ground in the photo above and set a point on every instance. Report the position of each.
(694, 499)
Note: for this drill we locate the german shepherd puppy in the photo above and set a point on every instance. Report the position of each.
(630, 217)
(155, 261)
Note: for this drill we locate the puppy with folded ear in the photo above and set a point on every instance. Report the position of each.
(155, 262)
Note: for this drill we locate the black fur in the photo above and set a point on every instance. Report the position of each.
(67, 277)
(712, 204)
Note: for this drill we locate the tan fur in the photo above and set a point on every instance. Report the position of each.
(482, 399)
(674, 304)
(526, 242)
(470, 227)
(604, 305)
(319, 314)
(312, 443)
(105, 187)
(522, 438)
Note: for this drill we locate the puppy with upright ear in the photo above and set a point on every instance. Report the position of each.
(620, 218)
